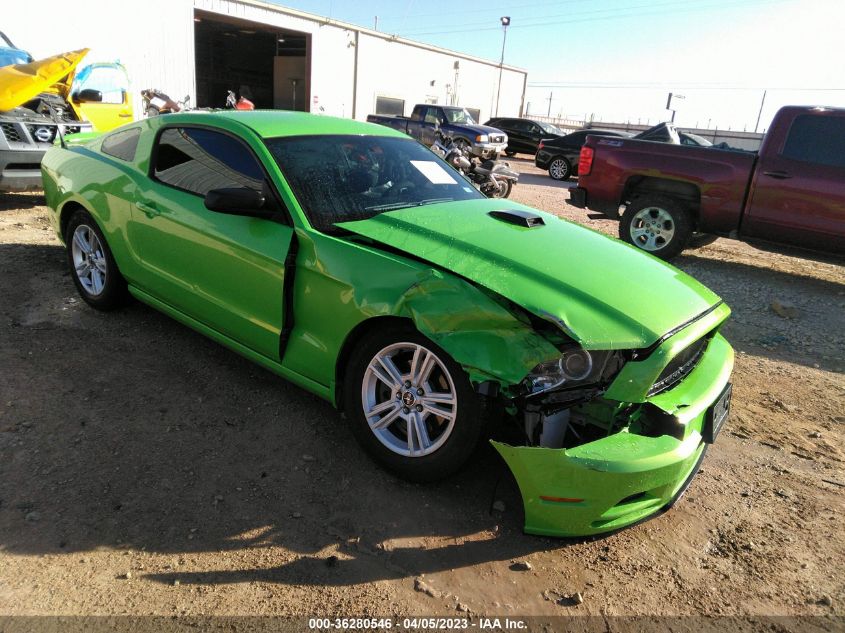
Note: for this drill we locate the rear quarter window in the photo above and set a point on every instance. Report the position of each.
(122, 144)
(816, 139)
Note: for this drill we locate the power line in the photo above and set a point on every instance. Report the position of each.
(680, 85)
(604, 17)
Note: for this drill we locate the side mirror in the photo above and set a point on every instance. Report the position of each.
(237, 201)
(88, 95)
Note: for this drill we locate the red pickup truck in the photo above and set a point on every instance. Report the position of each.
(792, 192)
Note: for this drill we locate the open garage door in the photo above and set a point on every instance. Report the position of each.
(269, 66)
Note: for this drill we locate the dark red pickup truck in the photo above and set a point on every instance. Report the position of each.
(792, 192)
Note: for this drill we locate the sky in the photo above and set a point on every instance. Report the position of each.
(617, 60)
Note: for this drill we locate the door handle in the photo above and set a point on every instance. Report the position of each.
(780, 175)
(148, 208)
(124, 115)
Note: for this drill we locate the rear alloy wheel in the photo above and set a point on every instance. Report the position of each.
(658, 225)
(92, 265)
(410, 405)
(560, 169)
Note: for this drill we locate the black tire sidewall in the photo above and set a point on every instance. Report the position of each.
(680, 217)
(565, 163)
(465, 434)
(114, 291)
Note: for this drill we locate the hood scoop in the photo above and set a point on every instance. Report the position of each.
(518, 217)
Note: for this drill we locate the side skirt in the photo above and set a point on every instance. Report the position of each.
(298, 379)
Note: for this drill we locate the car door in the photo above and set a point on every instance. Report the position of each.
(432, 117)
(518, 136)
(100, 94)
(798, 194)
(225, 271)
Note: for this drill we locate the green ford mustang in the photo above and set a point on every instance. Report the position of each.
(350, 260)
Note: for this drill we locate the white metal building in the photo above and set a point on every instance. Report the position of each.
(278, 57)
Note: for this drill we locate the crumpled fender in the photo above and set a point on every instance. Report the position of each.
(485, 338)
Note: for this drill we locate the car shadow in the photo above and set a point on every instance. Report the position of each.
(15, 201)
(546, 181)
(129, 431)
(770, 318)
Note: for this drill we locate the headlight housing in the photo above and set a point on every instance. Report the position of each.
(575, 366)
(481, 138)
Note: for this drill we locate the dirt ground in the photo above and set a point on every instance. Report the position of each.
(146, 470)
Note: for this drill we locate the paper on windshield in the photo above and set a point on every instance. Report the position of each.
(434, 172)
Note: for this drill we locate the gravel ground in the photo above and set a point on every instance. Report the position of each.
(146, 470)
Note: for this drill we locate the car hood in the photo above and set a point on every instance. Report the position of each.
(21, 82)
(478, 129)
(602, 292)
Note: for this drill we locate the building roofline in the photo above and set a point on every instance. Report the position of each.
(326, 21)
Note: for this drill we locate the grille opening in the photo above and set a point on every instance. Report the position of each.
(632, 498)
(10, 131)
(23, 166)
(680, 366)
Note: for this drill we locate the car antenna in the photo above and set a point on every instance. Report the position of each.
(58, 126)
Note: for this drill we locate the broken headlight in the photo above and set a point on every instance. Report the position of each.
(575, 367)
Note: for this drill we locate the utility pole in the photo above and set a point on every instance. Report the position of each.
(669, 103)
(505, 20)
(375, 26)
(549, 113)
(756, 125)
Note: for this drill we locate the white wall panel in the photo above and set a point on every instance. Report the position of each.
(154, 39)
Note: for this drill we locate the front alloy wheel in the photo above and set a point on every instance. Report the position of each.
(409, 404)
(409, 399)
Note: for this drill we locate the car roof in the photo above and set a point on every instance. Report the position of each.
(276, 123)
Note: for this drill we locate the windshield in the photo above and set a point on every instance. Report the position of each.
(9, 56)
(459, 115)
(345, 178)
(549, 128)
(688, 138)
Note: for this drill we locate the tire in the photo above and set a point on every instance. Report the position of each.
(658, 225)
(451, 438)
(504, 190)
(92, 266)
(560, 169)
(510, 153)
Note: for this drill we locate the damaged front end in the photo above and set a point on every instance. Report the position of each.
(607, 438)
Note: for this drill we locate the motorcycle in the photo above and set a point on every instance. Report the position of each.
(493, 178)
(235, 103)
(156, 102)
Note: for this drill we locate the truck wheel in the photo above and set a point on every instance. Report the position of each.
(560, 169)
(658, 225)
(410, 406)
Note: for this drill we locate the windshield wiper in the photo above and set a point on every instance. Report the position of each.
(433, 201)
(387, 207)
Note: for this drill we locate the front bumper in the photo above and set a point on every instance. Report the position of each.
(623, 478)
(20, 170)
(488, 150)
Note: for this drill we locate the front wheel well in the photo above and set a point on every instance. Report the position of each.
(349, 343)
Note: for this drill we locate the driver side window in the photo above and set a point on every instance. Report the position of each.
(198, 160)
